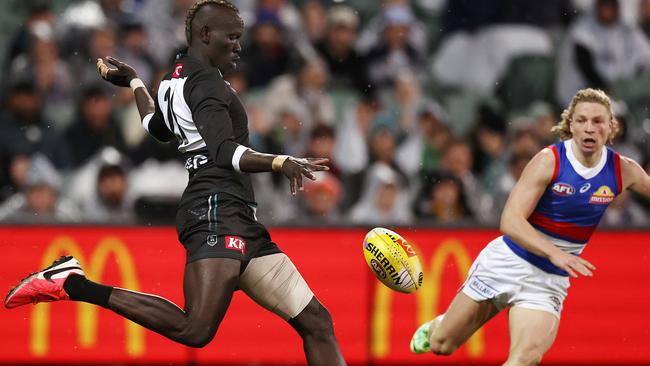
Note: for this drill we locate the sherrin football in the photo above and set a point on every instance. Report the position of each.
(393, 260)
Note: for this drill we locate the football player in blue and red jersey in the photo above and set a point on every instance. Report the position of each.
(546, 223)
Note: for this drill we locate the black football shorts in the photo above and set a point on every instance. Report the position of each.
(221, 225)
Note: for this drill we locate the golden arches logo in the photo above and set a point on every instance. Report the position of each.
(427, 303)
(87, 316)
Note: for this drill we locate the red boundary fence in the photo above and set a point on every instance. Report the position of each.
(606, 318)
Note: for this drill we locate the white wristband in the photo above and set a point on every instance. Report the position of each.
(136, 83)
(239, 151)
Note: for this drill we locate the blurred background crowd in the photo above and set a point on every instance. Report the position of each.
(427, 109)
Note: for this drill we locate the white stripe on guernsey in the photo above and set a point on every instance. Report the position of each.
(182, 114)
(146, 120)
(239, 151)
(583, 171)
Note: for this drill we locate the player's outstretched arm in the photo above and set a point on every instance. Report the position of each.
(124, 75)
(634, 177)
(522, 201)
(293, 168)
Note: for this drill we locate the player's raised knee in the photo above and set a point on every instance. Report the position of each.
(198, 341)
(197, 337)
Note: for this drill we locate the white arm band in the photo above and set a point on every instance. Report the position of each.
(239, 151)
(146, 120)
(136, 83)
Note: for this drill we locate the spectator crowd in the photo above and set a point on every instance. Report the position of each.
(428, 110)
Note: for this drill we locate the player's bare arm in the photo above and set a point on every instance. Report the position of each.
(124, 75)
(521, 203)
(293, 168)
(634, 177)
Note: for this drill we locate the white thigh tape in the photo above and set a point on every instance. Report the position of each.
(274, 282)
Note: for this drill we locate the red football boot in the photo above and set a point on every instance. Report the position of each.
(45, 285)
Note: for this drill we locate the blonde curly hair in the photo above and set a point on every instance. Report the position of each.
(589, 95)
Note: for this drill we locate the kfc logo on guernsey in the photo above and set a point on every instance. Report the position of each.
(236, 243)
(177, 71)
(563, 189)
(602, 196)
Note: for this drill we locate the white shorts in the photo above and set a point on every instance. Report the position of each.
(500, 275)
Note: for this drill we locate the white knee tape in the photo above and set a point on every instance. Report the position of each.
(274, 282)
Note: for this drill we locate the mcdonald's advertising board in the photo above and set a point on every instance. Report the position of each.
(605, 320)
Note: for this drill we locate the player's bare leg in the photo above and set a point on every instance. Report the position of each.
(208, 287)
(273, 282)
(463, 317)
(314, 324)
(447, 332)
(532, 333)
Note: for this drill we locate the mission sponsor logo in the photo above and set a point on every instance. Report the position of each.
(602, 196)
(563, 189)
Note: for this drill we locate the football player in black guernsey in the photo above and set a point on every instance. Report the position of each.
(227, 249)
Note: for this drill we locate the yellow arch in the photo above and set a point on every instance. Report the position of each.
(135, 342)
(87, 313)
(40, 319)
(428, 297)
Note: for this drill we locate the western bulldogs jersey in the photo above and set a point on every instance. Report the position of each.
(573, 203)
(195, 105)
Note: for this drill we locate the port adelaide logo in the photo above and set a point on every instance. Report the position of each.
(563, 189)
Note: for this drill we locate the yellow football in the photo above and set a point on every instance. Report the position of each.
(392, 260)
